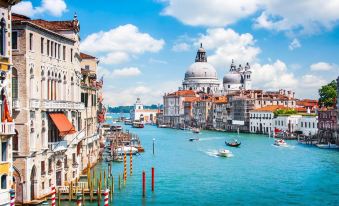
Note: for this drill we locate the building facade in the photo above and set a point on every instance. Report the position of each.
(139, 113)
(237, 79)
(262, 119)
(48, 110)
(7, 129)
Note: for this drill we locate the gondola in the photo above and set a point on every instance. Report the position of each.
(233, 144)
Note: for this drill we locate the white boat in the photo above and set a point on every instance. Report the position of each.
(195, 130)
(280, 142)
(126, 149)
(224, 153)
(327, 146)
(162, 126)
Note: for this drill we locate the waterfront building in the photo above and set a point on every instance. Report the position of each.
(202, 112)
(48, 110)
(7, 129)
(174, 107)
(237, 78)
(188, 110)
(201, 76)
(327, 125)
(261, 119)
(287, 123)
(220, 113)
(139, 113)
(309, 105)
(308, 124)
(90, 87)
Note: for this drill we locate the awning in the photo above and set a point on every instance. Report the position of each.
(64, 126)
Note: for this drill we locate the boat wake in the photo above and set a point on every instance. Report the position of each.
(214, 153)
(210, 139)
(287, 146)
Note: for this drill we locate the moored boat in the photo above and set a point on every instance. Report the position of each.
(327, 146)
(162, 126)
(196, 130)
(224, 153)
(138, 125)
(126, 149)
(128, 122)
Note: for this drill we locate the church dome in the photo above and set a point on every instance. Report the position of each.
(232, 78)
(201, 70)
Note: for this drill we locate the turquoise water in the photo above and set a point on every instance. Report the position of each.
(189, 173)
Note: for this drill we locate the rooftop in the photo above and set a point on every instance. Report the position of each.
(271, 108)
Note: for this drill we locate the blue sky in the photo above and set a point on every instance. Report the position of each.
(145, 46)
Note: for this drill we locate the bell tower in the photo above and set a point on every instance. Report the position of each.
(201, 55)
(247, 77)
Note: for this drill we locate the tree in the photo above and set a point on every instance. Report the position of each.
(328, 94)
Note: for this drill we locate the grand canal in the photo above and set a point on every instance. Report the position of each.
(190, 173)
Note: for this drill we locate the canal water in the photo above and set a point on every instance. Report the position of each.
(259, 173)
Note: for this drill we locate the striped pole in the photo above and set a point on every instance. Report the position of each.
(106, 197)
(130, 163)
(53, 195)
(79, 201)
(12, 197)
(125, 168)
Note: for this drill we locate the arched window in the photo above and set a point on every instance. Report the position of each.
(4, 182)
(15, 83)
(15, 141)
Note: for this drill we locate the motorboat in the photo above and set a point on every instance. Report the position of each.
(193, 139)
(138, 125)
(116, 128)
(234, 143)
(224, 153)
(280, 142)
(127, 150)
(128, 122)
(118, 158)
(162, 126)
(327, 146)
(196, 130)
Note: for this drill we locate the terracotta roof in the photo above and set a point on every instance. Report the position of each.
(191, 99)
(183, 93)
(86, 56)
(50, 25)
(271, 108)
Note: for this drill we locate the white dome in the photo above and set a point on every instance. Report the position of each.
(232, 78)
(201, 70)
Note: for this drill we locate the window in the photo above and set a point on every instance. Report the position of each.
(42, 45)
(48, 47)
(15, 141)
(43, 171)
(50, 165)
(87, 67)
(64, 53)
(313, 125)
(74, 158)
(55, 50)
(59, 51)
(43, 185)
(71, 55)
(65, 162)
(52, 48)
(15, 83)
(14, 40)
(4, 182)
(3, 36)
(84, 99)
(4, 151)
(31, 41)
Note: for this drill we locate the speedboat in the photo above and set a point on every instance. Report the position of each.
(224, 153)
(138, 125)
(126, 149)
(280, 142)
(234, 143)
(193, 139)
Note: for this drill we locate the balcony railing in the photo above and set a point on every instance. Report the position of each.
(91, 139)
(7, 128)
(49, 104)
(78, 137)
(58, 146)
(34, 103)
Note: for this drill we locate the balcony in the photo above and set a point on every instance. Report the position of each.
(49, 104)
(16, 104)
(7, 128)
(92, 139)
(58, 146)
(78, 137)
(34, 103)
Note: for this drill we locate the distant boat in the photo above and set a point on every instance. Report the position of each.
(234, 143)
(128, 122)
(162, 126)
(280, 142)
(327, 146)
(126, 149)
(116, 128)
(138, 125)
(195, 130)
(193, 139)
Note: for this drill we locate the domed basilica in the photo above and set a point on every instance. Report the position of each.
(202, 76)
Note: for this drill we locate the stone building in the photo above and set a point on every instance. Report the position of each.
(202, 110)
(328, 125)
(139, 113)
(220, 113)
(237, 78)
(90, 88)
(48, 110)
(7, 128)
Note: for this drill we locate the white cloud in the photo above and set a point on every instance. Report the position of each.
(157, 61)
(179, 47)
(280, 15)
(119, 73)
(322, 66)
(294, 44)
(120, 43)
(227, 45)
(312, 81)
(51, 7)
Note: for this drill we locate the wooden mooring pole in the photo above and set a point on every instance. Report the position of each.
(143, 184)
